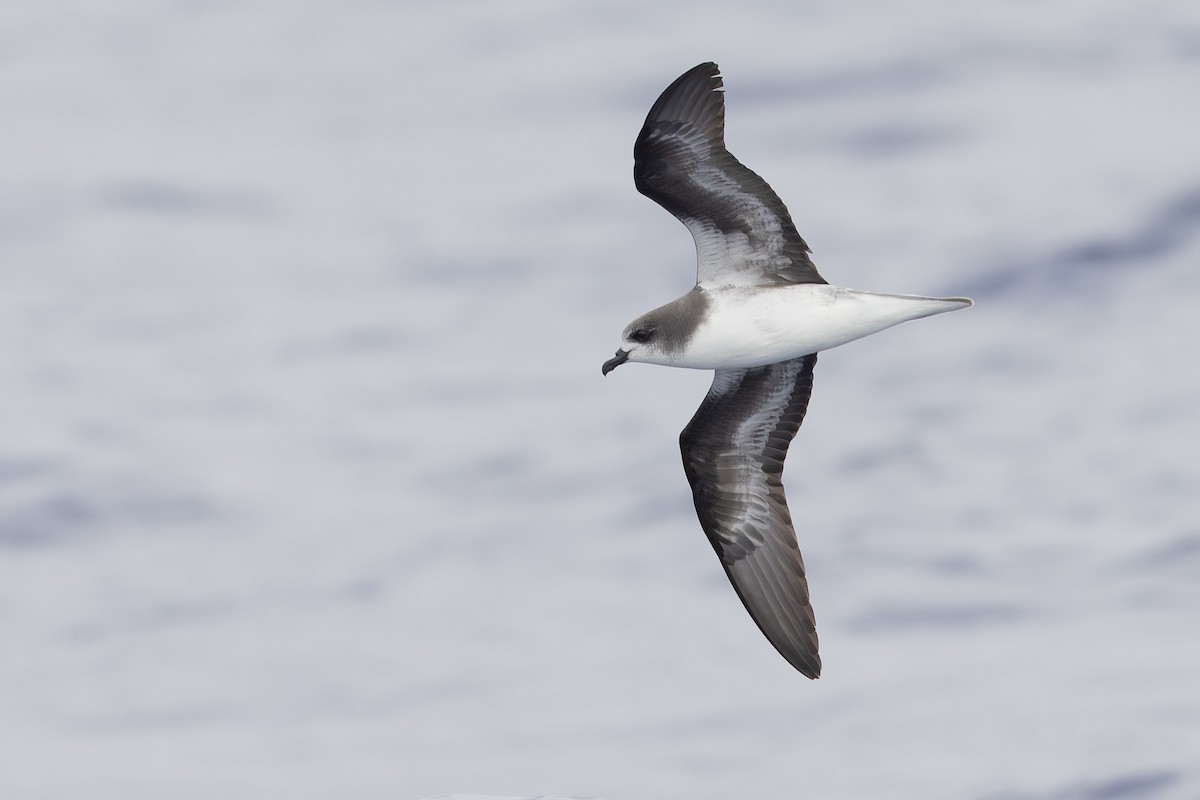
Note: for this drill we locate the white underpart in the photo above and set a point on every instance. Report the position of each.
(750, 327)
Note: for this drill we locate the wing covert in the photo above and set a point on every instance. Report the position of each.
(733, 454)
(743, 232)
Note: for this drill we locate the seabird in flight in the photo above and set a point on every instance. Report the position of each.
(758, 315)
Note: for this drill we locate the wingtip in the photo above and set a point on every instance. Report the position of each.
(709, 68)
(702, 78)
(809, 668)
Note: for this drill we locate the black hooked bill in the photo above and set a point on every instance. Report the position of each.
(621, 357)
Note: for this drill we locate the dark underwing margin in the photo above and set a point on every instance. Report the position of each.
(680, 162)
(733, 454)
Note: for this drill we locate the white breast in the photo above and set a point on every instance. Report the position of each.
(750, 327)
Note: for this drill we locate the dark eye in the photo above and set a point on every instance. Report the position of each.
(641, 334)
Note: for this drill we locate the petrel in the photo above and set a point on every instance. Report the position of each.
(758, 315)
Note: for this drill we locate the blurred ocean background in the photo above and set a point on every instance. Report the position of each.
(310, 486)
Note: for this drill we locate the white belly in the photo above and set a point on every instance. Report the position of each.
(752, 327)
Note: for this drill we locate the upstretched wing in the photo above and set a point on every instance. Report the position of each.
(743, 232)
(733, 452)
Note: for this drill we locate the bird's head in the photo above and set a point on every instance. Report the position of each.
(639, 342)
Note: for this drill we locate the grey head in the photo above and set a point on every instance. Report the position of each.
(661, 335)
